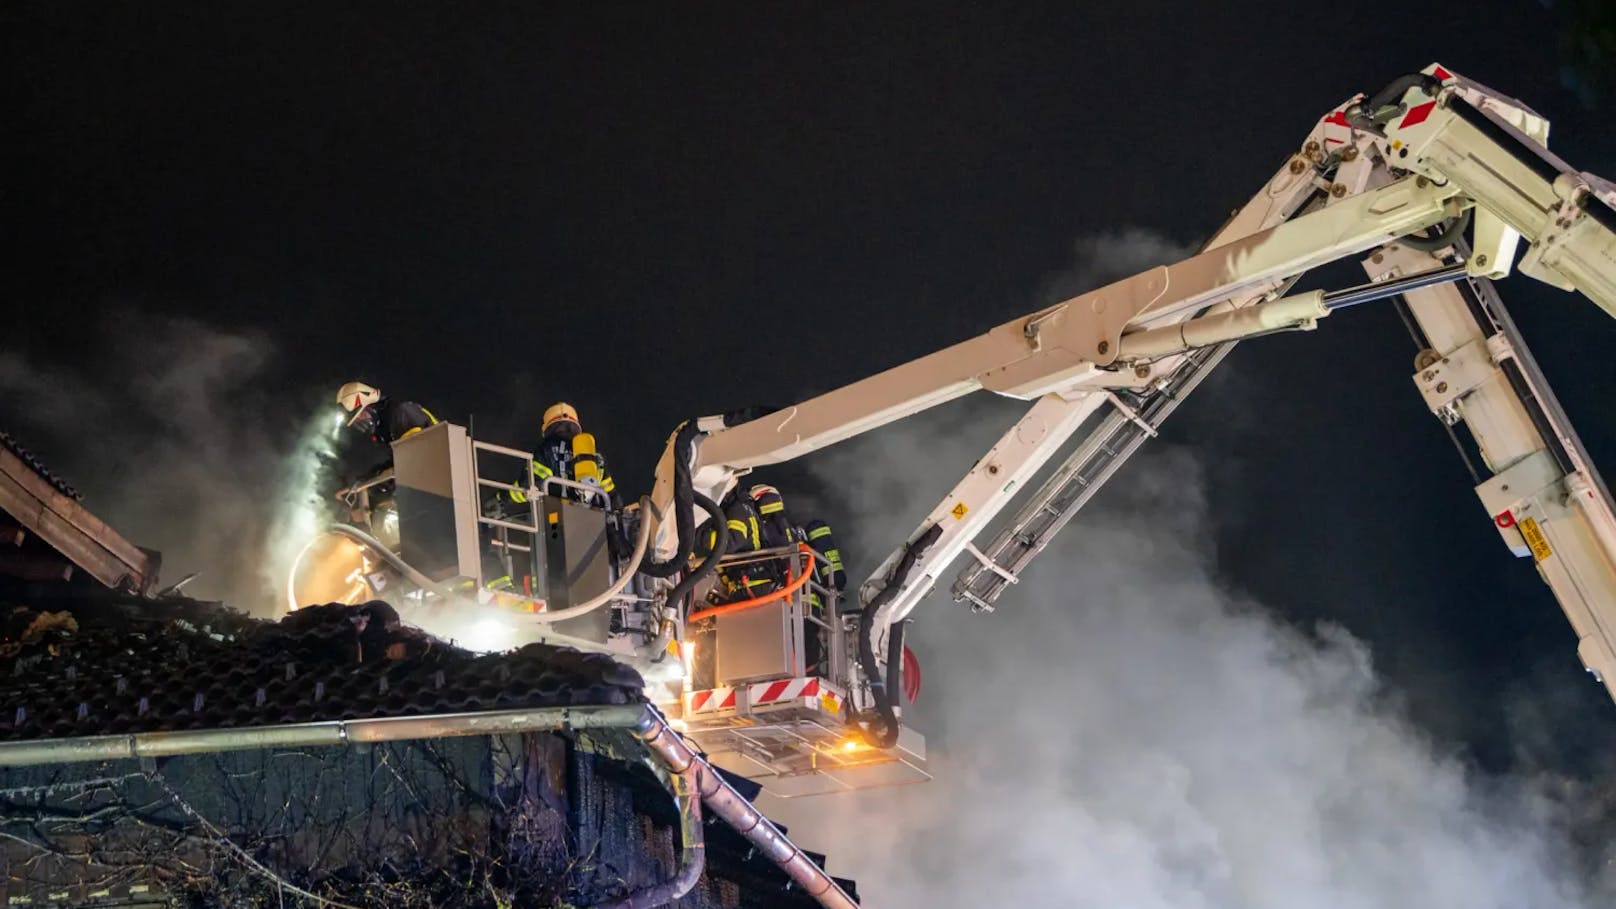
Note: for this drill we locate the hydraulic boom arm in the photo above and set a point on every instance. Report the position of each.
(1433, 153)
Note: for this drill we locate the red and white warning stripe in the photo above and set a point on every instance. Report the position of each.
(782, 690)
(709, 701)
(809, 691)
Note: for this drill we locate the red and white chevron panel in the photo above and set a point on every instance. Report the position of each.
(807, 691)
(709, 701)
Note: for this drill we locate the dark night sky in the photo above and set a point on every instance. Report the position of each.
(654, 213)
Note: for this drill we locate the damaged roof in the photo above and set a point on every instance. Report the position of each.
(12, 445)
(581, 820)
(82, 664)
(55, 536)
(78, 665)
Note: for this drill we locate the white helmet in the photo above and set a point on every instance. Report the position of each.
(356, 398)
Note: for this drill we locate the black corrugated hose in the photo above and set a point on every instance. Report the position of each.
(709, 564)
(683, 504)
(882, 732)
(684, 444)
(1378, 110)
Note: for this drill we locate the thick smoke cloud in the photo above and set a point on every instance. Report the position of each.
(180, 435)
(1124, 732)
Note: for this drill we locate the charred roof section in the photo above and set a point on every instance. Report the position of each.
(25, 456)
(47, 534)
(538, 818)
(92, 666)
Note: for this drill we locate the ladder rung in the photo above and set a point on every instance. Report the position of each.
(1125, 429)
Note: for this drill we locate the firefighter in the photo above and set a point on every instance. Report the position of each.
(744, 526)
(383, 419)
(566, 451)
(828, 570)
(829, 578)
(777, 530)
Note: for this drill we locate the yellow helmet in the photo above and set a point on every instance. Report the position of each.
(355, 397)
(560, 413)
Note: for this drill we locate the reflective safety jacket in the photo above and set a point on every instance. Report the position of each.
(399, 419)
(744, 526)
(741, 523)
(777, 529)
(829, 572)
(555, 458)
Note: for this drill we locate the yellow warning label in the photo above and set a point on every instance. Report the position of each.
(959, 510)
(828, 701)
(1535, 539)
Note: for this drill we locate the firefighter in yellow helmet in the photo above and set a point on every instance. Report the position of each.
(566, 451)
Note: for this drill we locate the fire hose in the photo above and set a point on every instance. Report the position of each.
(794, 582)
(882, 732)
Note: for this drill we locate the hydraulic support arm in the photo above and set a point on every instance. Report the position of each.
(1534, 478)
(1434, 152)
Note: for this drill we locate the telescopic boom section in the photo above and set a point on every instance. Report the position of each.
(1075, 344)
(1433, 152)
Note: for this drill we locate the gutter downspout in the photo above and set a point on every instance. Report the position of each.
(671, 750)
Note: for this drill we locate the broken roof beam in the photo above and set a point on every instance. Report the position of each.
(56, 519)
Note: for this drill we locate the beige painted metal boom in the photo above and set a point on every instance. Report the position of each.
(1433, 152)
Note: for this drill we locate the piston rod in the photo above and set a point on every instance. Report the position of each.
(1380, 290)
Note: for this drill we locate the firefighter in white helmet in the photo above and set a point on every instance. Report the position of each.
(383, 419)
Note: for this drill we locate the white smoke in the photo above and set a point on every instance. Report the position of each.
(179, 436)
(300, 510)
(1122, 733)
